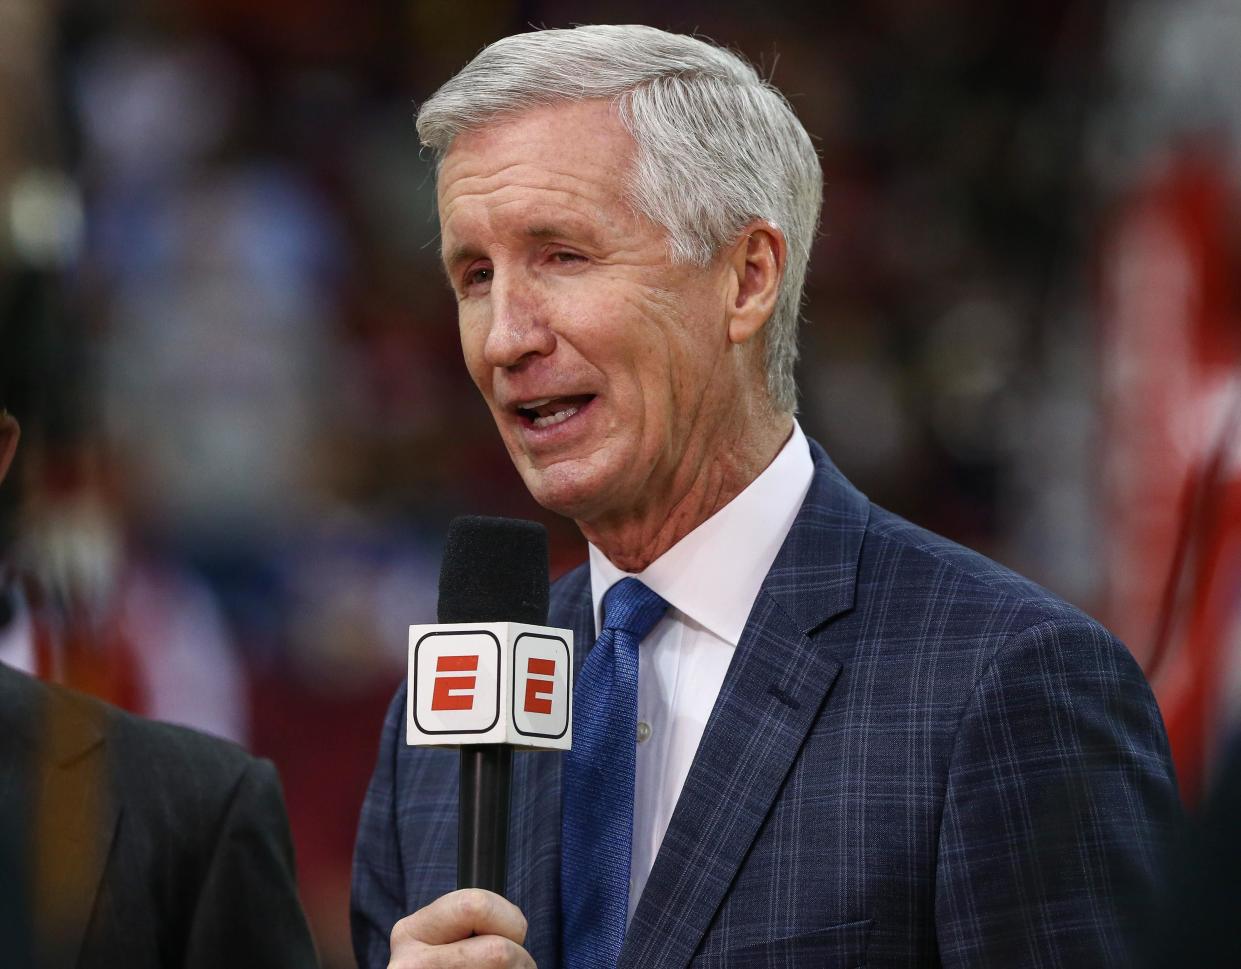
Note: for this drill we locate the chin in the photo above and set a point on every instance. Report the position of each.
(575, 492)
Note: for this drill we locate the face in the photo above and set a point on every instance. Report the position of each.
(609, 370)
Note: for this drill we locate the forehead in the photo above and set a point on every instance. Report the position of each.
(568, 158)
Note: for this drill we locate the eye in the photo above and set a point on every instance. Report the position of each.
(478, 275)
(566, 257)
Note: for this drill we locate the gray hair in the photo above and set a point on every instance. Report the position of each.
(717, 146)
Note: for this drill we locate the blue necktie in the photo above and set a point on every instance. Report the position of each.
(597, 819)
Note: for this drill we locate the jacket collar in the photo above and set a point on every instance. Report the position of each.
(28, 706)
(815, 575)
(780, 679)
(54, 743)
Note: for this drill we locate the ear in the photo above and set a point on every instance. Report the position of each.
(9, 433)
(756, 265)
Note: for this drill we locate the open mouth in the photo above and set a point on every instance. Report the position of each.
(552, 410)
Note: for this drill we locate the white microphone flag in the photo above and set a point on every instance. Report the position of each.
(490, 683)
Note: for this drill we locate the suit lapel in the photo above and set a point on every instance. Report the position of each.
(776, 685)
(73, 812)
(76, 823)
(534, 839)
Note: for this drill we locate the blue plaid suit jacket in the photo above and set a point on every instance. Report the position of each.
(918, 758)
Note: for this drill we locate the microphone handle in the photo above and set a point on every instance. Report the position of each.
(482, 833)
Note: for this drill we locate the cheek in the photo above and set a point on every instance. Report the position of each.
(473, 338)
(669, 354)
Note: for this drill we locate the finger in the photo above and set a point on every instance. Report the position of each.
(460, 914)
(490, 952)
(476, 952)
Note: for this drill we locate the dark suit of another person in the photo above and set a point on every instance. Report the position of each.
(144, 844)
(1198, 921)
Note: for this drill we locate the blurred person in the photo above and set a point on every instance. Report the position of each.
(1197, 921)
(89, 601)
(843, 739)
(130, 843)
(93, 610)
(86, 606)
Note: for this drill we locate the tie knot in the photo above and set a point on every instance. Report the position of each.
(631, 607)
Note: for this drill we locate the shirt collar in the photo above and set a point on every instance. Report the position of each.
(713, 574)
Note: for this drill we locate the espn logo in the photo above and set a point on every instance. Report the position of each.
(540, 681)
(454, 692)
(455, 679)
(541, 687)
(490, 683)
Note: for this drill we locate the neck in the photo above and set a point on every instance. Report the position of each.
(636, 538)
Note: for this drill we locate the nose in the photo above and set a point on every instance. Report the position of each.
(519, 323)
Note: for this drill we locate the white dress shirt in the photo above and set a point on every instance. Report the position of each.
(710, 580)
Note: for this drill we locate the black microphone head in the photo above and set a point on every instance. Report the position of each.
(494, 570)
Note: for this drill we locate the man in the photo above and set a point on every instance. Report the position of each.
(128, 843)
(849, 741)
(1195, 922)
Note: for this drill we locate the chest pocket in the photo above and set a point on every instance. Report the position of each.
(836, 947)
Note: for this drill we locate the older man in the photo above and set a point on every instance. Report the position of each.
(842, 740)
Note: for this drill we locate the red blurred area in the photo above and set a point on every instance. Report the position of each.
(1170, 357)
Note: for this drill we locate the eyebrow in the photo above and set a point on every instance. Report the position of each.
(460, 253)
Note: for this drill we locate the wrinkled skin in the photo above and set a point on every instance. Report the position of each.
(566, 293)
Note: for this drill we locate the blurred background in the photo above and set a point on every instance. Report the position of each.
(224, 329)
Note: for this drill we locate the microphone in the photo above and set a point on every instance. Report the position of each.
(489, 677)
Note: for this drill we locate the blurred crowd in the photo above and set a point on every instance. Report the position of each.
(226, 333)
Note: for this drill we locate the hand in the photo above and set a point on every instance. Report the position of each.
(466, 929)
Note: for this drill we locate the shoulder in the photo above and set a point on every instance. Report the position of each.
(912, 593)
(899, 555)
(927, 606)
(179, 753)
(178, 773)
(161, 745)
(179, 789)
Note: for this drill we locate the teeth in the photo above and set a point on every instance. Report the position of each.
(535, 404)
(557, 418)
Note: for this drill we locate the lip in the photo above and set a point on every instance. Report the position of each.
(554, 435)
